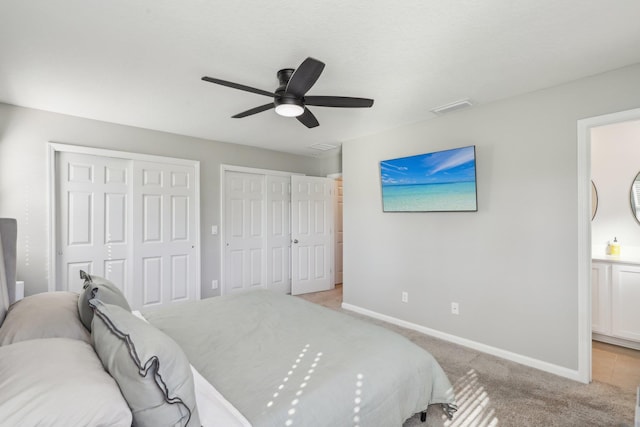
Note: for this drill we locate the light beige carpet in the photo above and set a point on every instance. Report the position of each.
(494, 392)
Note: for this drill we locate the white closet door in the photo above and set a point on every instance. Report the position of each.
(278, 244)
(244, 232)
(164, 234)
(93, 200)
(312, 234)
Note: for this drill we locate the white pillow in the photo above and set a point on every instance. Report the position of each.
(58, 382)
(45, 315)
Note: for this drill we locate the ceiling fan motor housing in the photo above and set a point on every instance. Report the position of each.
(287, 104)
(283, 77)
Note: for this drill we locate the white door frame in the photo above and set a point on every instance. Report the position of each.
(232, 168)
(584, 232)
(335, 176)
(54, 147)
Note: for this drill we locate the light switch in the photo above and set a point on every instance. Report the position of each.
(214, 229)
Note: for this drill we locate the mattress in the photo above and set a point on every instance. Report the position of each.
(280, 360)
(213, 408)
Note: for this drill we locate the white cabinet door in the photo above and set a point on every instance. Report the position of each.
(164, 234)
(601, 298)
(244, 232)
(312, 234)
(625, 311)
(93, 215)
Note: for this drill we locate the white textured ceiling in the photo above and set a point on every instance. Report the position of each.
(139, 62)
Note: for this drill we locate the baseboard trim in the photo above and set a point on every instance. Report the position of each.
(616, 341)
(494, 351)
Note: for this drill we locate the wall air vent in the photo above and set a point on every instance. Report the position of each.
(452, 106)
(323, 147)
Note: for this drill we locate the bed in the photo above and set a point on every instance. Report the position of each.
(257, 359)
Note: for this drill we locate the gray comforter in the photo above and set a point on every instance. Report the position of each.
(282, 361)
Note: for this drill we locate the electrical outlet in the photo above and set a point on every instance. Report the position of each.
(214, 284)
(455, 309)
(405, 296)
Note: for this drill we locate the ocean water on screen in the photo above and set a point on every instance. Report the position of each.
(455, 196)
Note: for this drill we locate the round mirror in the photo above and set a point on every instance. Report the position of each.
(635, 197)
(594, 200)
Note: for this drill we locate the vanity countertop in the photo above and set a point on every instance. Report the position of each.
(628, 255)
(617, 259)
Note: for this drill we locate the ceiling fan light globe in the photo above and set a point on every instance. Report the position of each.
(289, 110)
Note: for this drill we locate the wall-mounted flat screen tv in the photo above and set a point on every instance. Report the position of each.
(442, 181)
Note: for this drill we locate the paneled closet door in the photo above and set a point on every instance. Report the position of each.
(93, 198)
(244, 221)
(278, 244)
(164, 234)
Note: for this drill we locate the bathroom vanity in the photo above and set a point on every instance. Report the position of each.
(615, 300)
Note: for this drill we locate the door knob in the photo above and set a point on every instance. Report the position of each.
(295, 240)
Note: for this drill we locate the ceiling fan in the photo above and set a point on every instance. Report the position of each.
(289, 98)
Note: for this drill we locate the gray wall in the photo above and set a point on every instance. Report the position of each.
(512, 266)
(24, 134)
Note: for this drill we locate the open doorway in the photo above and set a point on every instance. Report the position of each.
(615, 244)
(585, 247)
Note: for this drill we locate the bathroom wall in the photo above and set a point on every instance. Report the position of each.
(615, 162)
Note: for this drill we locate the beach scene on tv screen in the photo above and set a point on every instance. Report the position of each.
(438, 181)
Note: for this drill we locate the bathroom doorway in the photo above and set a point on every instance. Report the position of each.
(584, 165)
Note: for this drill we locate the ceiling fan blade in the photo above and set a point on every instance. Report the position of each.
(338, 101)
(304, 77)
(237, 86)
(255, 110)
(308, 119)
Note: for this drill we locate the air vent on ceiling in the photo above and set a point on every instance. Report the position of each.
(323, 147)
(452, 106)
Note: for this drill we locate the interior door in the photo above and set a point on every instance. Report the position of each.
(312, 234)
(93, 216)
(244, 266)
(164, 234)
(278, 244)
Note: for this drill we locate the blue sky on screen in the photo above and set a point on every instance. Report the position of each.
(457, 165)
